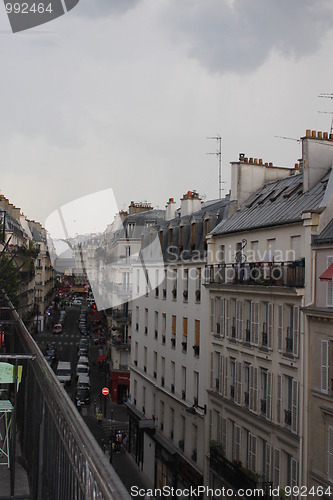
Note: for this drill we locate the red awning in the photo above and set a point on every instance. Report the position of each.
(328, 274)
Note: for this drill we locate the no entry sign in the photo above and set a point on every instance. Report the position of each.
(105, 391)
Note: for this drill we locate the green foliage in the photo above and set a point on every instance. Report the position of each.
(9, 279)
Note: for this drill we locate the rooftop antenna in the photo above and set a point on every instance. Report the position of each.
(327, 96)
(218, 152)
(329, 113)
(288, 138)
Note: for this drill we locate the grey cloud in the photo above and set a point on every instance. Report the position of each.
(240, 38)
(102, 8)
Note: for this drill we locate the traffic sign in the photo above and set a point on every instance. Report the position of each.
(105, 391)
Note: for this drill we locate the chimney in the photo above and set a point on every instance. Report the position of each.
(249, 175)
(170, 209)
(317, 157)
(190, 203)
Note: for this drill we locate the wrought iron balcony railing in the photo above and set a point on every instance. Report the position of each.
(290, 274)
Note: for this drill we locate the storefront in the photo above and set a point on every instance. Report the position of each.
(138, 425)
(119, 386)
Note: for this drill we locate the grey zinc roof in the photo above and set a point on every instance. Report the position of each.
(277, 203)
(325, 237)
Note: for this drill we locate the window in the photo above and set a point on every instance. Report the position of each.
(196, 346)
(172, 422)
(194, 442)
(233, 378)
(291, 403)
(185, 284)
(173, 376)
(330, 454)
(253, 388)
(127, 253)
(184, 342)
(156, 325)
(220, 254)
(146, 321)
(174, 324)
(247, 384)
(329, 286)
(181, 237)
(193, 235)
(295, 245)
(292, 330)
(155, 364)
(145, 359)
(196, 387)
(239, 319)
(184, 383)
(324, 366)
(254, 250)
(163, 327)
(161, 415)
(235, 441)
(238, 389)
(267, 326)
(254, 325)
(271, 245)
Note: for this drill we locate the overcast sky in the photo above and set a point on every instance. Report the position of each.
(121, 95)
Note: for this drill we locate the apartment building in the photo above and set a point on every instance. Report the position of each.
(259, 277)
(169, 352)
(319, 318)
(121, 247)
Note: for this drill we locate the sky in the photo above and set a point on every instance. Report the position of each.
(122, 95)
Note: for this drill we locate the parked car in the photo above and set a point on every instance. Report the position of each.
(83, 351)
(83, 360)
(83, 381)
(57, 328)
(77, 302)
(83, 394)
(64, 372)
(82, 370)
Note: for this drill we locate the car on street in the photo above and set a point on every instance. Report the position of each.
(82, 370)
(77, 302)
(83, 351)
(57, 328)
(82, 394)
(83, 360)
(64, 372)
(83, 381)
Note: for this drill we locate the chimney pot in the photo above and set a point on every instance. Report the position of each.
(241, 156)
(296, 165)
(331, 136)
(189, 194)
(314, 133)
(255, 161)
(246, 160)
(270, 164)
(308, 133)
(170, 200)
(325, 135)
(251, 160)
(260, 161)
(320, 135)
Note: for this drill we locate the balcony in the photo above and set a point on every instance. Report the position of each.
(121, 316)
(230, 472)
(288, 274)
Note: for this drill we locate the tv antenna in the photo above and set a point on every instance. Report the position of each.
(287, 138)
(218, 153)
(329, 113)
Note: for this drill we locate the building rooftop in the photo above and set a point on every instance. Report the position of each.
(277, 203)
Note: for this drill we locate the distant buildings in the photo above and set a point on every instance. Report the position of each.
(230, 373)
(24, 242)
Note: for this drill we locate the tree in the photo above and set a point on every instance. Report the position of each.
(9, 279)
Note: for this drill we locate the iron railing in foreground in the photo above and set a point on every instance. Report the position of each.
(63, 460)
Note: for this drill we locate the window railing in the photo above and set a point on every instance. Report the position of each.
(290, 274)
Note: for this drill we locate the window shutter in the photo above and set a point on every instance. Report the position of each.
(330, 454)
(253, 453)
(212, 315)
(237, 442)
(278, 398)
(212, 370)
(324, 366)
(268, 456)
(239, 319)
(329, 286)
(221, 375)
(270, 325)
(238, 382)
(280, 327)
(295, 330)
(224, 435)
(294, 474)
(225, 376)
(219, 430)
(269, 396)
(277, 467)
(294, 417)
(221, 317)
(255, 323)
(253, 388)
(226, 317)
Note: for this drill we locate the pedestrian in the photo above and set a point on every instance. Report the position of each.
(99, 416)
(78, 404)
